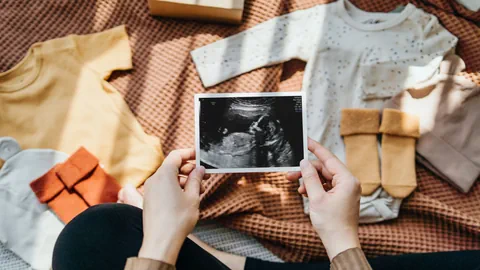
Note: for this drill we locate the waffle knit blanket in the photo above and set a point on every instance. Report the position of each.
(160, 92)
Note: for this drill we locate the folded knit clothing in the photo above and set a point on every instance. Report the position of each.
(359, 128)
(73, 186)
(449, 110)
(27, 227)
(400, 130)
(379, 206)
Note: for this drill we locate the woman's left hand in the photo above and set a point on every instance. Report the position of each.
(171, 206)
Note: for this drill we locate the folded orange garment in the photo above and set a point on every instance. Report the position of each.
(71, 187)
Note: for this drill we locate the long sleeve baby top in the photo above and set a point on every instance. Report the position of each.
(354, 58)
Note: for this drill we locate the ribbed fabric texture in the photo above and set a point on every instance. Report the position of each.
(147, 264)
(359, 128)
(350, 259)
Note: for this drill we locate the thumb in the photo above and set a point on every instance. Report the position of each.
(194, 179)
(311, 180)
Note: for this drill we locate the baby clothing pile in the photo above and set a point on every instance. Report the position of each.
(35, 201)
(393, 52)
(81, 141)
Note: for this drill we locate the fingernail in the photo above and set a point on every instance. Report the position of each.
(303, 164)
(201, 169)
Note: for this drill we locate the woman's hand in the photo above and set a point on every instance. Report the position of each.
(334, 213)
(171, 206)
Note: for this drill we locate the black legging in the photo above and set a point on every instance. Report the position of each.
(104, 236)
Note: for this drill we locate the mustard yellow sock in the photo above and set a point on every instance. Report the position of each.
(400, 131)
(359, 128)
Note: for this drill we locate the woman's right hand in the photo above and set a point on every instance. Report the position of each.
(334, 213)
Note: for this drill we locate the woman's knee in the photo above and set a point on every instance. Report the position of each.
(109, 215)
(101, 232)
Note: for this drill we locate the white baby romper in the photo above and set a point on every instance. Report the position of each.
(27, 227)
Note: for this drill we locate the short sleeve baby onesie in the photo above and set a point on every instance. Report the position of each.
(58, 98)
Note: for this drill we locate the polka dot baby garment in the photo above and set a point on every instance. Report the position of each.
(355, 59)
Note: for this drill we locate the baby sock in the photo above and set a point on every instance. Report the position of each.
(400, 131)
(359, 128)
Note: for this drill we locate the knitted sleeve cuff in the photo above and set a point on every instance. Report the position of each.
(353, 258)
(359, 121)
(395, 122)
(135, 263)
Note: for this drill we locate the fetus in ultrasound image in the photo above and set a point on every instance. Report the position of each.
(251, 132)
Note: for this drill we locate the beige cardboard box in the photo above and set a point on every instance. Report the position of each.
(229, 11)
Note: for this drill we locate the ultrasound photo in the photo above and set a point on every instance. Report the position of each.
(262, 132)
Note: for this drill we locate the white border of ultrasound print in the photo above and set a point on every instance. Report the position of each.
(249, 170)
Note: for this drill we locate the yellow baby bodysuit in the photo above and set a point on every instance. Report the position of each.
(57, 97)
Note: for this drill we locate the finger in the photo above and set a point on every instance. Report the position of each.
(293, 176)
(194, 180)
(327, 186)
(172, 163)
(320, 152)
(311, 180)
(322, 171)
(182, 180)
(188, 167)
(177, 157)
(302, 190)
(202, 188)
(329, 160)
